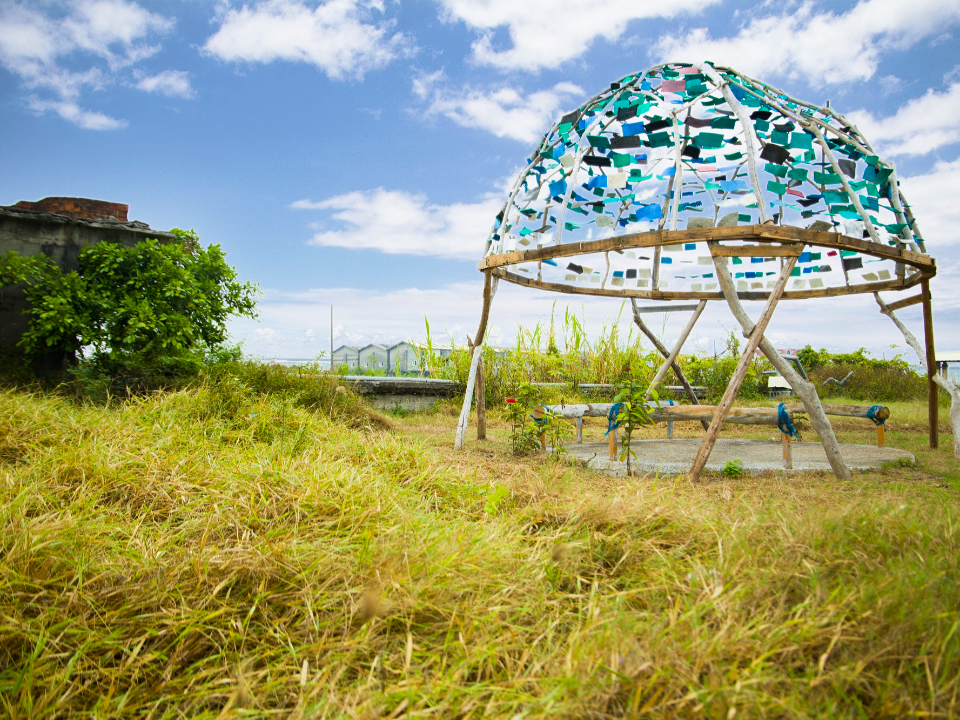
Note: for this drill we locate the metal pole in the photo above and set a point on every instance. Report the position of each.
(331, 338)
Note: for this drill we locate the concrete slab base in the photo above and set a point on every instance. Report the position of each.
(673, 457)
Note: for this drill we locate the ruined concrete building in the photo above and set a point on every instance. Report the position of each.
(58, 227)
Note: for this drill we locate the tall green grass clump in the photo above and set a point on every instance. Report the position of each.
(564, 353)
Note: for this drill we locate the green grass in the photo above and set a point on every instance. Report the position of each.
(228, 550)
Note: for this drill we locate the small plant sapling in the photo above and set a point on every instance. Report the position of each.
(633, 413)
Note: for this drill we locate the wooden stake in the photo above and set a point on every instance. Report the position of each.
(881, 437)
(787, 451)
(733, 387)
(580, 429)
(612, 435)
(662, 349)
(933, 409)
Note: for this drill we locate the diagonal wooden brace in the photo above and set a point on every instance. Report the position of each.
(662, 349)
(804, 389)
(733, 387)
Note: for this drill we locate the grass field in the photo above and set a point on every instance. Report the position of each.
(187, 555)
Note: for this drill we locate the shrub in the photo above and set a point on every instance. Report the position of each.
(873, 379)
(714, 372)
(869, 383)
(149, 311)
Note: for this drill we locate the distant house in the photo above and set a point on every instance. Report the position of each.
(947, 364)
(348, 355)
(373, 357)
(404, 357)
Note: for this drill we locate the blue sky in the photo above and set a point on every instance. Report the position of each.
(355, 153)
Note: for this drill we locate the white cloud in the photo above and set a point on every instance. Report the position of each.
(933, 198)
(546, 33)
(918, 127)
(102, 37)
(398, 222)
(72, 112)
(506, 112)
(823, 47)
(334, 36)
(172, 83)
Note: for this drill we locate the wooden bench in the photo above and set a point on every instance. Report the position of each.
(670, 413)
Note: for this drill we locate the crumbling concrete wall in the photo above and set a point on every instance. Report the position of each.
(29, 229)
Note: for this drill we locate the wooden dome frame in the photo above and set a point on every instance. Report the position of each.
(768, 240)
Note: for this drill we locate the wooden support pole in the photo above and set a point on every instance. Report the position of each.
(881, 436)
(481, 398)
(733, 387)
(804, 389)
(787, 451)
(947, 386)
(662, 349)
(933, 409)
(468, 396)
(580, 429)
(489, 289)
(612, 435)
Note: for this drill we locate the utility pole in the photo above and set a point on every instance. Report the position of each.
(331, 337)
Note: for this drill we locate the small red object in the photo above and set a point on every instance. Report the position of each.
(511, 400)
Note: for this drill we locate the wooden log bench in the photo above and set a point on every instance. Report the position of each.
(670, 413)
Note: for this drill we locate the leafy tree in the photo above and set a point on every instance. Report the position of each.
(152, 308)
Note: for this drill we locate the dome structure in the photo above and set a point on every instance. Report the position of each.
(696, 182)
(622, 194)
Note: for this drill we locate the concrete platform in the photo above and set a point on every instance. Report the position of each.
(673, 457)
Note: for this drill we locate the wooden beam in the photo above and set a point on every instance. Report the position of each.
(883, 413)
(907, 302)
(733, 387)
(662, 309)
(755, 251)
(933, 406)
(897, 284)
(748, 233)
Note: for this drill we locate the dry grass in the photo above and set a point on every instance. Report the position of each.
(170, 558)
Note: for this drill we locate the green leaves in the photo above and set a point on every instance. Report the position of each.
(132, 305)
(633, 413)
